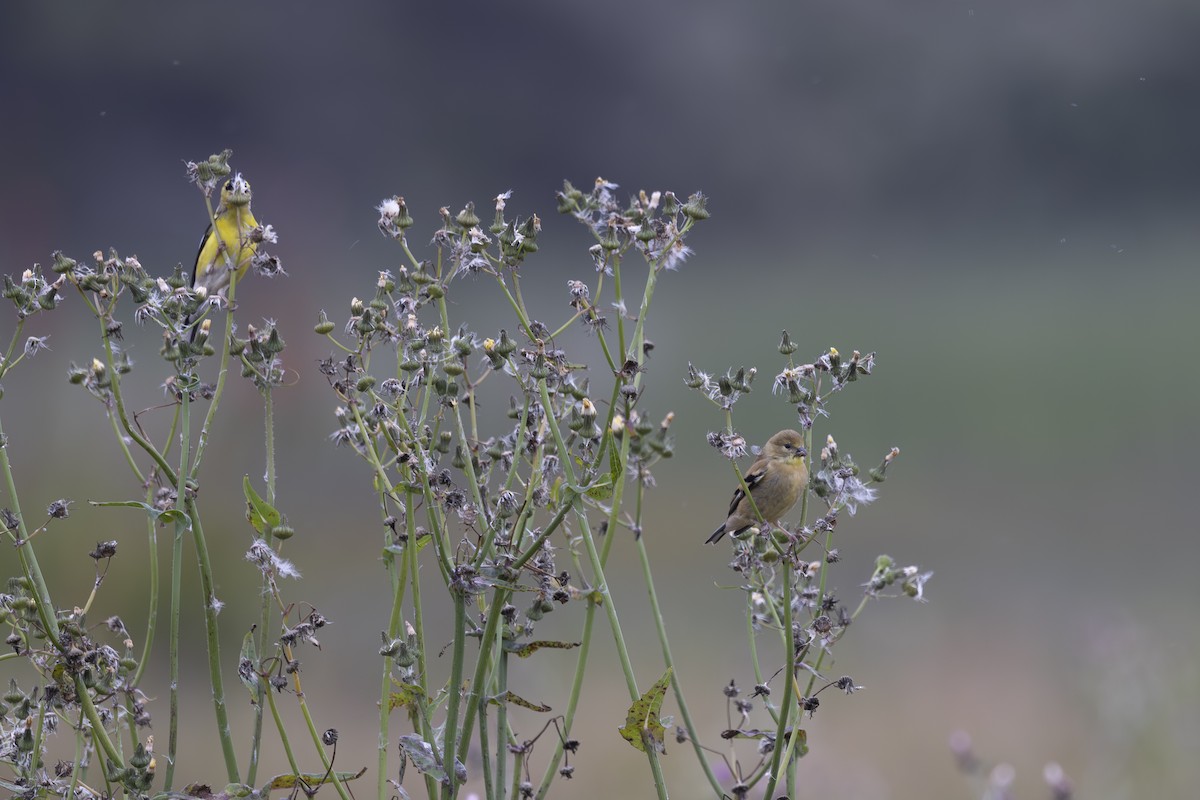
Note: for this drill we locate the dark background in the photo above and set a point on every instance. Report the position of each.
(999, 198)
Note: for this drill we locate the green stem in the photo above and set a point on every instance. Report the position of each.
(76, 774)
(573, 701)
(264, 620)
(501, 718)
(440, 549)
(338, 784)
(8, 362)
(518, 764)
(812, 678)
(454, 691)
(385, 690)
(125, 451)
(208, 591)
(269, 421)
(168, 472)
(410, 554)
(597, 566)
(478, 685)
(648, 292)
(787, 705)
(512, 301)
(419, 626)
(99, 734)
(152, 610)
(616, 266)
(185, 421)
(282, 729)
(668, 659)
(532, 550)
(752, 642)
(473, 481)
(35, 753)
(26, 554)
(222, 372)
(485, 758)
(173, 652)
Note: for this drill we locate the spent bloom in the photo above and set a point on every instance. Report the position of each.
(269, 562)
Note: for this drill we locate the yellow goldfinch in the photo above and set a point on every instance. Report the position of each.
(227, 242)
(776, 481)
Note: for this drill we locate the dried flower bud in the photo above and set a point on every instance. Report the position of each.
(467, 218)
(323, 326)
(695, 208)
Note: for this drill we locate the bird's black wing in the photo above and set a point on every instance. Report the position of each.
(199, 250)
(752, 478)
(195, 273)
(738, 494)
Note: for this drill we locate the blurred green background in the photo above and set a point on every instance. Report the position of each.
(999, 198)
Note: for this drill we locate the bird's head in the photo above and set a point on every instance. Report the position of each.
(236, 191)
(787, 445)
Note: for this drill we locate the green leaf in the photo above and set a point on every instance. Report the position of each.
(398, 549)
(261, 514)
(420, 752)
(528, 649)
(171, 515)
(506, 585)
(614, 459)
(409, 696)
(189, 792)
(310, 779)
(642, 725)
(601, 489)
(746, 733)
(202, 791)
(801, 741)
(248, 663)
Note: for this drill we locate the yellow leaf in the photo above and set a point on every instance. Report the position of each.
(642, 725)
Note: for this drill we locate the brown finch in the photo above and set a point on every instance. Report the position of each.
(776, 481)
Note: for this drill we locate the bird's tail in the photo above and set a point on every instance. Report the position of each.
(716, 535)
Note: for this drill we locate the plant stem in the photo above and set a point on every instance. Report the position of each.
(502, 717)
(478, 682)
(284, 739)
(573, 702)
(173, 651)
(211, 605)
(152, 608)
(597, 566)
(264, 620)
(454, 690)
(181, 490)
(669, 660)
(386, 681)
(787, 706)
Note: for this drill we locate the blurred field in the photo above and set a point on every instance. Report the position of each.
(1000, 203)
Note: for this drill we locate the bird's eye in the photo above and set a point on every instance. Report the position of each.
(229, 186)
